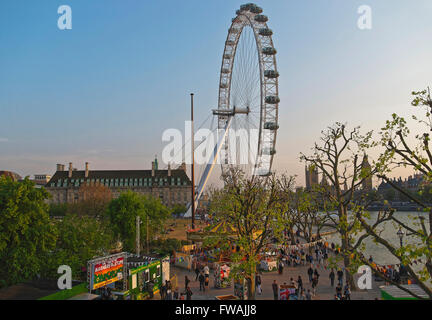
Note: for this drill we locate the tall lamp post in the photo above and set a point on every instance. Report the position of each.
(400, 234)
(193, 161)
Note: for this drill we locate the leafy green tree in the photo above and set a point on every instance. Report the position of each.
(254, 208)
(26, 232)
(178, 209)
(122, 213)
(416, 254)
(80, 238)
(58, 210)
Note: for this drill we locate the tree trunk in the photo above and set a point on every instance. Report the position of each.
(251, 287)
(345, 246)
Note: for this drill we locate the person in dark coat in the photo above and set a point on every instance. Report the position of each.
(187, 281)
(201, 282)
(189, 293)
(332, 277)
(275, 288)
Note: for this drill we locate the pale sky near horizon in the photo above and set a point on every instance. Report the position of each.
(105, 91)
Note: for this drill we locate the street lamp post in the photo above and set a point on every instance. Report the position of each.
(400, 234)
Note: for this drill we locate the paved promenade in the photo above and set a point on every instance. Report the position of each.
(324, 289)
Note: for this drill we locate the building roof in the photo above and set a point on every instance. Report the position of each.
(61, 178)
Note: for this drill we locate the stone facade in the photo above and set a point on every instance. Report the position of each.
(172, 187)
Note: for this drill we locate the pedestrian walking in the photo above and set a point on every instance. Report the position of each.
(189, 293)
(275, 288)
(169, 295)
(281, 266)
(206, 271)
(308, 295)
(258, 283)
(339, 291)
(176, 294)
(332, 277)
(314, 284)
(300, 283)
(187, 281)
(201, 279)
(310, 273)
(197, 272)
(340, 277)
(347, 291)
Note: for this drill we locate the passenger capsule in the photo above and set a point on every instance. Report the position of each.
(265, 32)
(272, 99)
(223, 85)
(225, 70)
(271, 74)
(261, 18)
(269, 51)
(234, 30)
(246, 7)
(229, 42)
(271, 126)
(255, 9)
(227, 56)
(269, 151)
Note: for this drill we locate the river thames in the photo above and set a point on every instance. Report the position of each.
(389, 232)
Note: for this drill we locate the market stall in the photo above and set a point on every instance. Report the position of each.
(107, 270)
(285, 291)
(183, 260)
(147, 276)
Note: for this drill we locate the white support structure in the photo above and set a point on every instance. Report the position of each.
(209, 168)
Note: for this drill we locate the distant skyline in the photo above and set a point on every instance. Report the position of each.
(105, 91)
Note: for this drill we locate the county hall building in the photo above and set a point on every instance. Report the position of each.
(172, 187)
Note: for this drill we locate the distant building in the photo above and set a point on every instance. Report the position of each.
(367, 183)
(412, 183)
(170, 186)
(311, 177)
(13, 175)
(41, 180)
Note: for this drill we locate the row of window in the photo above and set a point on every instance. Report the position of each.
(120, 182)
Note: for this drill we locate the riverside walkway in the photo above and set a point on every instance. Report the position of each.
(324, 289)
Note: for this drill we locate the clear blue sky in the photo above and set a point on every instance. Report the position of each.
(105, 91)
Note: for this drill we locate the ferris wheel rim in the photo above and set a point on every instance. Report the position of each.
(245, 17)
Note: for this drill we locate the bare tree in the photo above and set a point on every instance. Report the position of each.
(339, 158)
(307, 216)
(93, 200)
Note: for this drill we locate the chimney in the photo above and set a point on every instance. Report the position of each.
(183, 167)
(70, 170)
(153, 169)
(86, 169)
(60, 167)
(169, 170)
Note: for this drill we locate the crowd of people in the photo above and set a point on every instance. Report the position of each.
(167, 292)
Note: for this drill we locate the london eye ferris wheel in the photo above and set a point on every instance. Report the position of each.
(248, 93)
